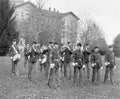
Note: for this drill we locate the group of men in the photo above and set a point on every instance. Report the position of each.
(56, 60)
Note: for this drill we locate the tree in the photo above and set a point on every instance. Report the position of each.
(116, 45)
(41, 3)
(101, 43)
(7, 26)
(90, 31)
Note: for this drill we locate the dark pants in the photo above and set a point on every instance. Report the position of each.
(14, 66)
(108, 70)
(30, 68)
(96, 75)
(67, 65)
(77, 70)
(53, 73)
(46, 68)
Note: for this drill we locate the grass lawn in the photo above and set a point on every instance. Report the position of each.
(21, 88)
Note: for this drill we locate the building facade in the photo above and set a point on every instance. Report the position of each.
(47, 18)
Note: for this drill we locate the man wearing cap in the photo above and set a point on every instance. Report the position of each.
(15, 56)
(110, 64)
(96, 65)
(78, 63)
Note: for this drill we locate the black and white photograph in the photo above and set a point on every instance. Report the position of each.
(59, 49)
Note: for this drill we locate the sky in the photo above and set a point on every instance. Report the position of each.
(104, 12)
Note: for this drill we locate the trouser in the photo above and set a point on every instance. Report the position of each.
(25, 61)
(77, 70)
(96, 75)
(14, 66)
(108, 70)
(88, 69)
(53, 73)
(30, 68)
(67, 65)
(46, 68)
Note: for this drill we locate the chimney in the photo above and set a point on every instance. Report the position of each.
(49, 8)
(54, 10)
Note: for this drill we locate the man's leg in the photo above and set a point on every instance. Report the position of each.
(106, 74)
(80, 76)
(94, 75)
(75, 75)
(46, 68)
(98, 76)
(111, 75)
(50, 74)
(13, 67)
(65, 69)
(25, 61)
(70, 71)
(30, 71)
(88, 70)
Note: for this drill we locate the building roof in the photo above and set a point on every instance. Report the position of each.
(48, 12)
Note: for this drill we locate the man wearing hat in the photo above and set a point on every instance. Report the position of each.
(78, 63)
(96, 65)
(110, 64)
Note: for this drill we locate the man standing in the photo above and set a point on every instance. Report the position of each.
(67, 59)
(78, 63)
(33, 55)
(15, 57)
(26, 50)
(54, 64)
(87, 53)
(110, 64)
(96, 64)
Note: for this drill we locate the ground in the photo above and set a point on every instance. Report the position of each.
(21, 88)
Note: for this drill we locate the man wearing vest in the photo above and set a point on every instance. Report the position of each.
(96, 65)
(15, 57)
(110, 64)
(33, 55)
(78, 63)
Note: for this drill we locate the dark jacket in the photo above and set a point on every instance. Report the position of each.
(33, 55)
(67, 55)
(86, 54)
(78, 57)
(110, 57)
(96, 58)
